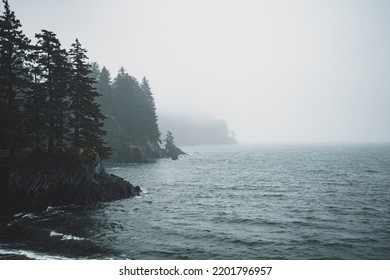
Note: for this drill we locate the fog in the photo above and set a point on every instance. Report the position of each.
(276, 71)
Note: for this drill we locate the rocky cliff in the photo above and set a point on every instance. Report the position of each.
(36, 183)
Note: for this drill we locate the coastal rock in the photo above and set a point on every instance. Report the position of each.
(36, 184)
(128, 154)
(173, 152)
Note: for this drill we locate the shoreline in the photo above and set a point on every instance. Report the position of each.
(36, 183)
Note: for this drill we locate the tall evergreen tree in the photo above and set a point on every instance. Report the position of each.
(55, 73)
(95, 71)
(86, 119)
(104, 87)
(14, 48)
(125, 95)
(35, 103)
(153, 131)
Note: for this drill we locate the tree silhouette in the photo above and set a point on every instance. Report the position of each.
(54, 70)
(86, 119)
(14, 49)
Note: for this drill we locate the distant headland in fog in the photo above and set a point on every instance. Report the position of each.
(200, 130)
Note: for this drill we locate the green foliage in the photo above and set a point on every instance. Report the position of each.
(47, 96)
(86, 119)
(131, 112)
(14, 49)
(150, 112)
(54, 73)
(55, 101)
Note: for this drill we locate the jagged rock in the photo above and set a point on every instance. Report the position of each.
(173, 152)
(36, 184)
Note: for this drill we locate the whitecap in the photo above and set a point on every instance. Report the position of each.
(145, 191)
(66, 236)
(22, 215)
(30, 254)
(29, 215)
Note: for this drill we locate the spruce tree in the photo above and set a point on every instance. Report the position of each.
(35, 103)
(54, 70)
(127, 107)
(104, 87)
(95, 71)
(86, 119)
(153, 132)
(169, 139)
(14, 48)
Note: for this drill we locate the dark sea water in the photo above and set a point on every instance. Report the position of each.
(227, 202)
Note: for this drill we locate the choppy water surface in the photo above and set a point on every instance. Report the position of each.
(227, 202)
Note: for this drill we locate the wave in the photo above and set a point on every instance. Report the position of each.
(24, 215)
(66, 236)
(371, 171)
(29, 254)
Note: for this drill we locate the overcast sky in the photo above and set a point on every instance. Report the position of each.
(284, 71)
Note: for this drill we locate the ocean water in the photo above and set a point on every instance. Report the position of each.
(226, 202)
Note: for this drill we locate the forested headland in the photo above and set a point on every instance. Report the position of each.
(52, 131)
(54, 101)
(197, 130)
(131, 121)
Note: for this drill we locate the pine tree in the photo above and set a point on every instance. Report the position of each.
(104, 87)
(86, 119)
(153, 132)
(54, 70)
(169, 140)
(35, 103)
(14, 48)
(95, 71)
(127, 107)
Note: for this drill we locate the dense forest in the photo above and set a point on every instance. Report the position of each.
(131, 122)
(53, 101)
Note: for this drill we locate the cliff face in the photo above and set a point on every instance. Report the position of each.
(36, 184)
(128, 154)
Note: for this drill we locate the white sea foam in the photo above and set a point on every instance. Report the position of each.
(65, 236)
(30, 254)
(24, 215)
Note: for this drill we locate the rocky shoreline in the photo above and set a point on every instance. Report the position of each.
(36, 183)
(138, 154)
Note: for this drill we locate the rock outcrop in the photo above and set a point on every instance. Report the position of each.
(172, 151)
(37, 183)
(128, 154)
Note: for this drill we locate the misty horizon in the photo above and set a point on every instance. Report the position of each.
(276, 71)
